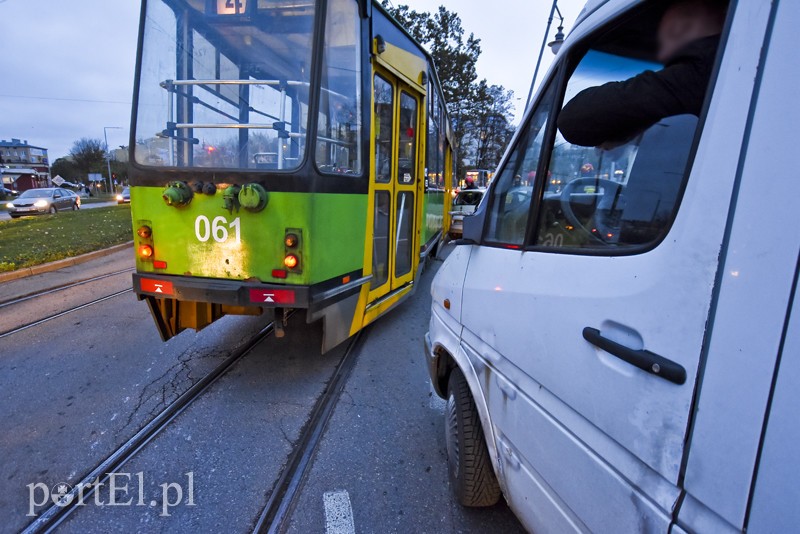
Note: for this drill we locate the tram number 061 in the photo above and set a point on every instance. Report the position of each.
(218, 228)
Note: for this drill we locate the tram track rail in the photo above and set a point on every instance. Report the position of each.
(53, 516)
(68, 311)
(50, 290)
(288, 486)
(287, 489)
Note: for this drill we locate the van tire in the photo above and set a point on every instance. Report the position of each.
(469, 465)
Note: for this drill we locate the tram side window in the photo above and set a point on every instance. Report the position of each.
(339, 127)
(431, 145)
(436, 117)
(440, 147)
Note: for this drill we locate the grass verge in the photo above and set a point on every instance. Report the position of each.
(30, 241)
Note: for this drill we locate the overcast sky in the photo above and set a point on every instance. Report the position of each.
(66, 66)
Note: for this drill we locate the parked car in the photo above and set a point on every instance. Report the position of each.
(623, 354)
(43, 200)
(6, 193)
(464, 204)
(124, 196)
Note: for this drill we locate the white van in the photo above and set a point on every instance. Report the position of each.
(622, 353)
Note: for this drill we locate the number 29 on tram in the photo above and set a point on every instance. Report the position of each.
(286, 154)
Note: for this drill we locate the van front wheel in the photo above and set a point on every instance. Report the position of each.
(469, 465)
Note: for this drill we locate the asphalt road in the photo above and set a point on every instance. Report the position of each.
(4, 216)
(74, 388)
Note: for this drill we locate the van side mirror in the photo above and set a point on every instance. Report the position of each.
(473, 224)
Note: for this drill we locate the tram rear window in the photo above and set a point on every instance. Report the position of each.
(225, 83)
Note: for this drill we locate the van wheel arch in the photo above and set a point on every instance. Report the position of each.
(445, 364)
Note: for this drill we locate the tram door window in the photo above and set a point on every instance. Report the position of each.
(395, 177)
(384, 119)
(406, 178)
(380, 254)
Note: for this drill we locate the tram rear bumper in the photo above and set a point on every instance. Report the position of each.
(226, 292)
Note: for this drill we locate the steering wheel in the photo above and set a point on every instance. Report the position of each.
(611, 190)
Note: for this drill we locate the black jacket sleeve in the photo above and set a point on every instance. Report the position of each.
(618, 111)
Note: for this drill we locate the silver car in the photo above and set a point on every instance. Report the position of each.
(464, 204)
(43, 200)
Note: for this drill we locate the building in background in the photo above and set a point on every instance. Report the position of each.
(23, 166)
(120, 154)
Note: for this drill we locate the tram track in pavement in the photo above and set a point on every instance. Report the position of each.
(279, 507)
(68, 311)
(56, 289)
(286, 489)
(49, 519)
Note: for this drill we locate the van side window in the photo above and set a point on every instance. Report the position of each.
(619, 195)
(513, 190)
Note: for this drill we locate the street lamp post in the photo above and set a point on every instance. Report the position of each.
(555, 45)
(108, 154)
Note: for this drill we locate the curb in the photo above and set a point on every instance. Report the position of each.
(60, 264)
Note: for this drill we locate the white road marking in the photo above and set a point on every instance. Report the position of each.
(338, 512)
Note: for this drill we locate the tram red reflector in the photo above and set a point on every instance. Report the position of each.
(146, 251)
(161, 287)
(346, 280)
(158, 264)
(276, 296)
(279, 273)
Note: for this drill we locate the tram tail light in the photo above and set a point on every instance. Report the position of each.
(291, 240)
(291, 261)
(293, 250)
(146, 252)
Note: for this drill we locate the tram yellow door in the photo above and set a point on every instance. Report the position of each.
(394, 174)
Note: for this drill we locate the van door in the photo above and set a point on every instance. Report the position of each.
(394, 175)
(742, 458)
(586, 306)
(774, 499)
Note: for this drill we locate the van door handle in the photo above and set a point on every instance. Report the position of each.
(643, 359)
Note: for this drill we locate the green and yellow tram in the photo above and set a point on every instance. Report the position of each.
(286, 154)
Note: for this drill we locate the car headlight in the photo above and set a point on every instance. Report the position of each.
(40, 203)
(10, 205)
(119, 197)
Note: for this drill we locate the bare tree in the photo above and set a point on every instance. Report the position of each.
(88, 155)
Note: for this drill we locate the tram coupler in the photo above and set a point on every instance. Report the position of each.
(280, 322)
